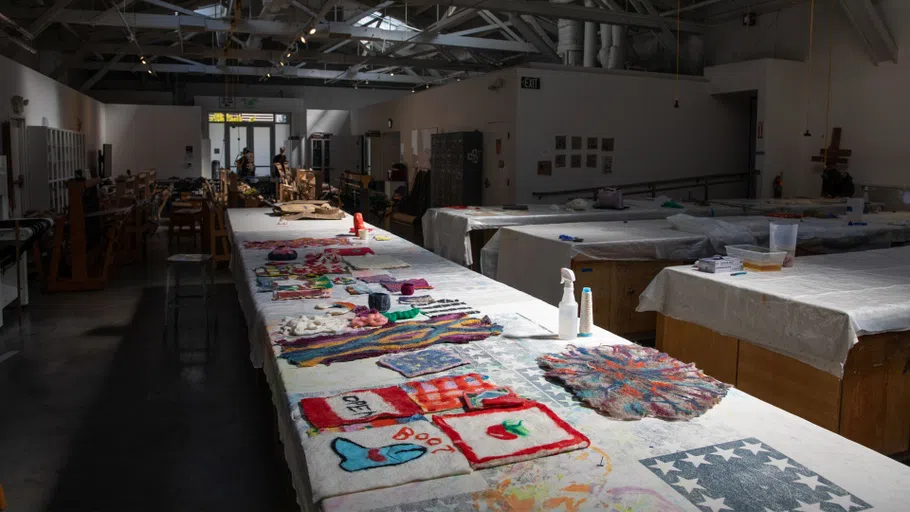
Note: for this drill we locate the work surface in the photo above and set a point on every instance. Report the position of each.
(446, 230)
(812, 312)
(505, 257)
(743, 454)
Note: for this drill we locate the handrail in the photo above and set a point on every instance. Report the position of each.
(652, 187)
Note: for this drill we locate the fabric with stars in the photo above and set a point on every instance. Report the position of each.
(748, 475)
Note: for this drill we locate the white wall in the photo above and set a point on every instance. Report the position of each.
(336, 122)
(461, 106)
(155, 136)
(869, 102)
(53, 104)
(653, 140)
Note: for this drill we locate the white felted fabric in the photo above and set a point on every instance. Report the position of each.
(311, 325)
(493, 437)
(373, 262)
(349, 462)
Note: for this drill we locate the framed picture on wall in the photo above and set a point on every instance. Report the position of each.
(559, 161)
(576, 143)
(592, 143)
(592, 161)
(606, 144)
(544, 168)
(576, 162)
(560, 142)
(607, 164)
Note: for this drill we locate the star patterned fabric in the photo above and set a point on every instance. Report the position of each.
(748, 475)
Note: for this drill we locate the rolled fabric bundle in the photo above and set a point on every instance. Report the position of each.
(407, 289)
(380, 301)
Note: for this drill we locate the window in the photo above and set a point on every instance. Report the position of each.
(247, 117)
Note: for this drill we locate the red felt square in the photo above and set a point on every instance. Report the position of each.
(358, 407)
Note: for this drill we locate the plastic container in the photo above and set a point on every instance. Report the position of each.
(757, 258)
(568, 308)
(586, 323)
(783, 238)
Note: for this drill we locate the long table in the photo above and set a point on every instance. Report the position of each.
(766, 456)
(449, 231)
(828, 339)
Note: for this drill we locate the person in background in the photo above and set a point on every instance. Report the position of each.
(279, 166)
(245, 164)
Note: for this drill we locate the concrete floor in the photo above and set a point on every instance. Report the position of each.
(95, 414)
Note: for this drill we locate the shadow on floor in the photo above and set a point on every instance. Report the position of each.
(163, 435)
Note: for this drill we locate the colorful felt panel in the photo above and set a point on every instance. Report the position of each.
(493, 437)
(301, 294)
(391, 338)
(382, 422)
(357, 407)
(422, 362)
(296, 243)
(395, 286)
(492, 398)
(339, 464)
(631, 381)
(372, 262)
(445, 393)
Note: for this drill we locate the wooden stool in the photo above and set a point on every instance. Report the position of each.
(184, 221)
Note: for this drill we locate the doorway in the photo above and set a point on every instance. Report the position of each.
(258, 138)
(498, 157)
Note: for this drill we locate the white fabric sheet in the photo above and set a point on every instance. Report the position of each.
(812, 312)
(609, 473)
(513, 247)
(795, 205)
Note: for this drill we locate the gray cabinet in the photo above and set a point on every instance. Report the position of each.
(54, 157)
(457, 169)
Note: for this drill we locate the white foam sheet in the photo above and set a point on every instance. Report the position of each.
(812, 312)
(876, 479)
(792, 205)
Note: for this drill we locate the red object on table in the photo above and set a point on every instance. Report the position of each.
(358, 222)
(407, 289)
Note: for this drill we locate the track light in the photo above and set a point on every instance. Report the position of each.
(413, 90)
(142, 59)
(150, 71)
(312, 30)
(281, 64)
(392, 73)
(457, 79)
(355, 86)
(302, 39)
(268, 74)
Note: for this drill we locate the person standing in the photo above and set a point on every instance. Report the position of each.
(245, 167)
(279, 170)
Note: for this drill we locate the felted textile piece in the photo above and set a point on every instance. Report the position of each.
(344, 281)
(324, 263)
(422, 300)
(339, 464)
(276, 269)
(300, 294)
(446, 393)
(296, 243)
(382, 422)
(352, 251)
(390, 338)
(493, 437)
(358, 289)
(306, 325)
(631, 382)
(376, 278)
(372, 262)
(282, 254)
(395, 286)
(357, 407)
(492, 398)
(422, 362)
(446, 307)
(406, 314)
(380, 301)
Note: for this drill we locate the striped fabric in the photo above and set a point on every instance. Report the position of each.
(447, 307)
(394, 337)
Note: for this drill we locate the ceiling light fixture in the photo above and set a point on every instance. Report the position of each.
(312, 30)
(392, 73)
(268, 74)
(288, 55)
(302, 39)
(281, 64)
(142, 59)
(150, 71)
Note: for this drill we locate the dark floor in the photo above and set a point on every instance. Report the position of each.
(95, 414)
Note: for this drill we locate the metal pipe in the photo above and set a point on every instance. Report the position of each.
(606, 40)
(617, 59)
(590, 51)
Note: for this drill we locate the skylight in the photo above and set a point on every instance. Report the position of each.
(212, 11)
(376, 20)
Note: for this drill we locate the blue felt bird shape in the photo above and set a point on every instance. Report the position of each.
(356, 458)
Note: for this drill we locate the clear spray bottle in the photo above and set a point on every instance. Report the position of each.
(568, 308)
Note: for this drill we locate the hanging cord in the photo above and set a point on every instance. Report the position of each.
(678, 5)
(828, 104)
(809, 69)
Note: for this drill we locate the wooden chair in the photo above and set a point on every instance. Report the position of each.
(214, 231)
(184, 221)
(404, 216)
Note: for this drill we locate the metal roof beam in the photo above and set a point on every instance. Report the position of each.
(283, 29)
(872, 29)
(545, 47)
(566, 11)
(285, 72)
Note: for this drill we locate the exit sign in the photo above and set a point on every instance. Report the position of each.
(530, 82)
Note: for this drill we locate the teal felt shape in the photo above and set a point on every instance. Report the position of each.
(355, 457)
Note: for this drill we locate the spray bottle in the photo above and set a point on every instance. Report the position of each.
(568, 308)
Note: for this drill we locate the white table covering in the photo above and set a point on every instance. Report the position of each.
(446, 230)
(607, 475)
(529, 257)
(812, 312)
(794, 205)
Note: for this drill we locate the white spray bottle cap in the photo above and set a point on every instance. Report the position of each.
(566, 276)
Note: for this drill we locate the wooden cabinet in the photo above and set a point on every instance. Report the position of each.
(457, 169)
(54, 157)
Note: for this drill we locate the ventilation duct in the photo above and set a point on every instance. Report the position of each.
(617, 57)
(606, 41)
(570, 44)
